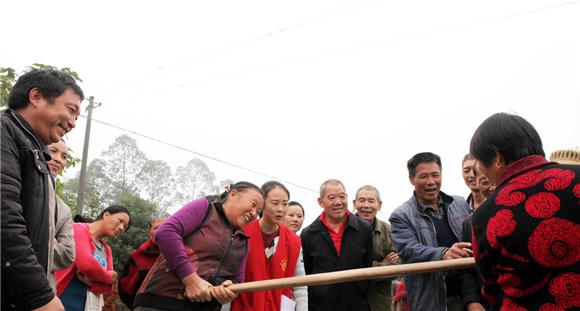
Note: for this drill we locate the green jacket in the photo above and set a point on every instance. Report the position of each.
(379, 293)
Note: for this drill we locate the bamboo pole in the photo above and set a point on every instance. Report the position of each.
(354, 275)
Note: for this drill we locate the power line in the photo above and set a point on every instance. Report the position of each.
(373, 44)
(203, 155)
(207, 55)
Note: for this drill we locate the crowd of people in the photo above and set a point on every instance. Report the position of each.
(520, 222)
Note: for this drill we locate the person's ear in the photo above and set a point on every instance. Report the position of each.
(320, 202)
(412, 180)
(498, 161)
(35, 97)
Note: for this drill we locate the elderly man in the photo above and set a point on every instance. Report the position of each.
(367, 203)
(427, 228)
(335, 241)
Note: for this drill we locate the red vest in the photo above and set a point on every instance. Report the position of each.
(282, 264)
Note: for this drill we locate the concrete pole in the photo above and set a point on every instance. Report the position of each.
(83, 177)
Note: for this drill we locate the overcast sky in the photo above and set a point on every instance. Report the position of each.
(309, 90)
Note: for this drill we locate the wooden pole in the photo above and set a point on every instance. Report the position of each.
(354, 275)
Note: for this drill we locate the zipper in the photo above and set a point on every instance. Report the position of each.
(25, 129)
(223, 260)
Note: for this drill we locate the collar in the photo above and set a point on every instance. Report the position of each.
(26, 126)
(220, 210)
(318, 224)
(523, 164)
(375, 224)
(444, 199)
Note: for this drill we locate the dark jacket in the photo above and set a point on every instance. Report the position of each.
(526, 233)
(320, 256)
(136, 268)
(25, 210)
(471, 282)
(216, 250)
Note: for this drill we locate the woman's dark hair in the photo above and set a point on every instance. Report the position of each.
(511, 136)
(292, 203)
(241, 186)
(115, 209)
(82, 219)
(269, 186)
(51, 83)
(423, 157)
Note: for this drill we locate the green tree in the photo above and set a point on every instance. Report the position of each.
(154, 181)
(123, 161)
(194, 180)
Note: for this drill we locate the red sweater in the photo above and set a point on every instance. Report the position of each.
(86, 263)
(282, 264)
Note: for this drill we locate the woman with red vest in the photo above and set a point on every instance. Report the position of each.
(274, 253)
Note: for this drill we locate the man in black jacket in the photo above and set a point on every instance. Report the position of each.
(337, 240)
(43, 106)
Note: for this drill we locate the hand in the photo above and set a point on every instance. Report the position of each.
(458, 250)
(392, 258)
(53, 305)
(196, 288)
(85, 280)
(114, 277)
(475, 306)
(222, 293)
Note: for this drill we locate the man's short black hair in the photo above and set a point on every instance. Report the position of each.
(51, 83)
(422, 157)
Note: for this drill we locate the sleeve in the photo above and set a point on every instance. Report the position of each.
(85, 262)
(385, 239)
(307, 260)
(300, 293)
(127, 282)
(408, 246)
(491, 289)
(170, 235)
(99, 287)
(29, 285)
(470, 287)
(241, 272)
(370, 251)
(64, 246)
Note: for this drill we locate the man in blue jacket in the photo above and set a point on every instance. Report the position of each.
(427, 228)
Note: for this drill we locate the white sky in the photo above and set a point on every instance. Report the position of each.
(309, 90)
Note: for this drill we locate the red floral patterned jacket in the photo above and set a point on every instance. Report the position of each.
(526, 237)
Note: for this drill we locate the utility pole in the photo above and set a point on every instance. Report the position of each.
(83, 177)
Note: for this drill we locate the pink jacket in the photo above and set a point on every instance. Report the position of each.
(86, 263)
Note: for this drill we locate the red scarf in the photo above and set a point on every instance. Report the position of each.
(282, 264)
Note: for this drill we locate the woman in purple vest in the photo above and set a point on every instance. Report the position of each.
(203, 250)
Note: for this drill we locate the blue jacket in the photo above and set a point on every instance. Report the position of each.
(416, 241)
